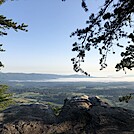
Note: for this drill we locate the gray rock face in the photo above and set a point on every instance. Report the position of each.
(79, 115)
(96, 101)
(98, 116)
(85, 101)
(111, 120)
(79, 102)
(33, 112)
(75, 108)
(79, 105)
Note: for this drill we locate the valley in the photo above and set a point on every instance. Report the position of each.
(55, 92)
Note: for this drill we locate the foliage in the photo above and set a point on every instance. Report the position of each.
(5, 98)
(126, 98)
(56, 109)
(113, 23)
(128, 59)
(6, 24)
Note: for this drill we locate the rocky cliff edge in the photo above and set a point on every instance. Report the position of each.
(79, 115)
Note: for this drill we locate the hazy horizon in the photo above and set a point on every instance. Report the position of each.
(61, 78)
(99, 74)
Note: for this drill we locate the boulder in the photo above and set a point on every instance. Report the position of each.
(98, 117)
(75, 108)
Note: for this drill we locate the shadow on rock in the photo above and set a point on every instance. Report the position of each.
(79, 115)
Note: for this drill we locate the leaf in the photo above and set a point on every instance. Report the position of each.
(107, 16)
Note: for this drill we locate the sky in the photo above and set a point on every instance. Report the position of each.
(46, 47)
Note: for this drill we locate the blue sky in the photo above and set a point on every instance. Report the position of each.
(46, 47)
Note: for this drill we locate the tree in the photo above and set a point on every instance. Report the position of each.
(126, 98)
(103, 31)
(6, 24)
(5, 98)
(112, 23)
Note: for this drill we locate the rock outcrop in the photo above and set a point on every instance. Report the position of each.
(79, 115)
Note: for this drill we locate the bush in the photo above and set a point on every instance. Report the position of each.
(5, 98)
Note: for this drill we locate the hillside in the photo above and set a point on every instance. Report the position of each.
(34, 76)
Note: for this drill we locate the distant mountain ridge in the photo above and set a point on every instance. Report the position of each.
(35, 76)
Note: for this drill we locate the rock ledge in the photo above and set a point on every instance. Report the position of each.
(79, 115)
